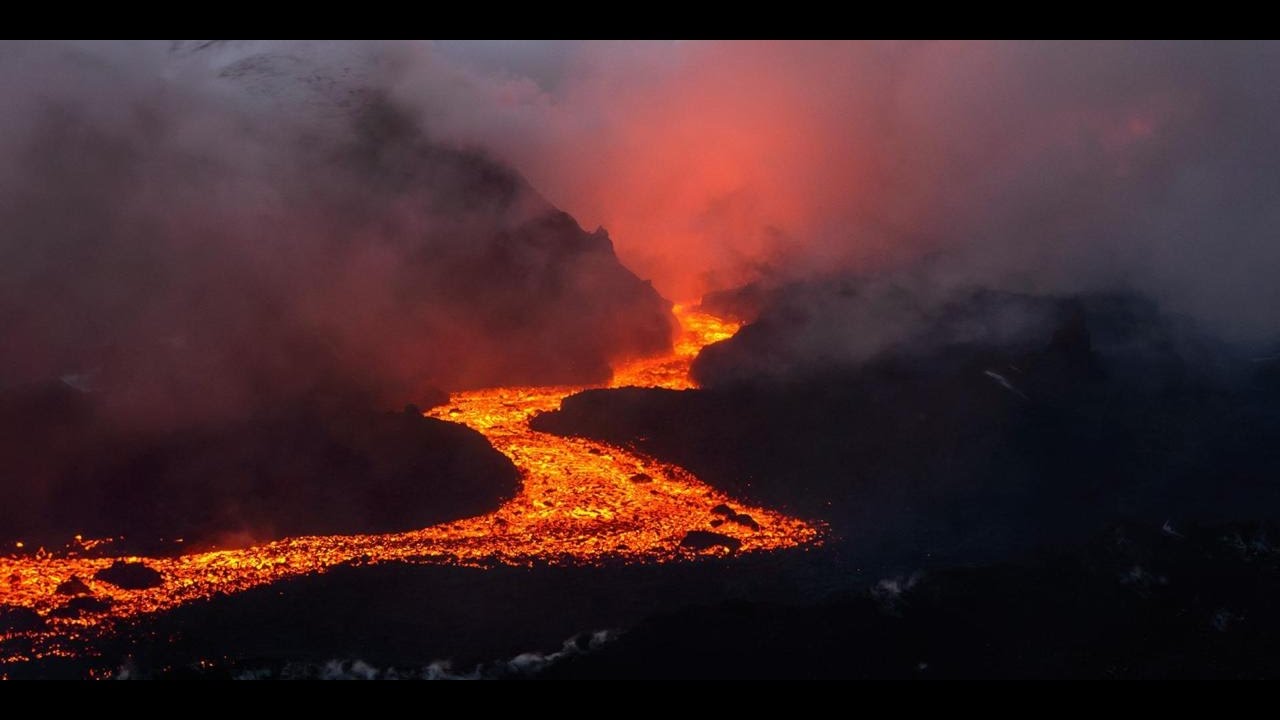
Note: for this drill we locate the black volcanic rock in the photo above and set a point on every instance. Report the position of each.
(82, 605)
(700, 540)
(1014, 422)
(130, 575)
(19, 619)
(73, 586)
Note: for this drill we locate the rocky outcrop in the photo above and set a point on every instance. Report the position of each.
(73, 586)
(15, 619)
(702, 540)
(130, 575)
(315, 470)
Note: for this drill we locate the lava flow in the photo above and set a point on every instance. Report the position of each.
(582, 501)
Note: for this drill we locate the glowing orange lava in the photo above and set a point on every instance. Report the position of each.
(581, 501)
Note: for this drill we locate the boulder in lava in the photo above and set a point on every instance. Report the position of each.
(701, 540)
(19, 619)
(83, 605)
(130, 575)
(74, 586)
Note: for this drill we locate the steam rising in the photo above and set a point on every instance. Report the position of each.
(205, 229)
(220, 263)
(1032, 167)
(168, 206)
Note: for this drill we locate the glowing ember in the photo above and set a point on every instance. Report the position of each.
(582, 501)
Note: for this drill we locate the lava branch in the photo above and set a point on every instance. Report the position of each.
(582, 501)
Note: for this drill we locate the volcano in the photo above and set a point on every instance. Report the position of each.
(897, 360)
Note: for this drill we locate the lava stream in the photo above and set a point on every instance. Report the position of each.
(581, 501)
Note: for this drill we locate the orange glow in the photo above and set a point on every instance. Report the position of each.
(580, 503)
(708, 162)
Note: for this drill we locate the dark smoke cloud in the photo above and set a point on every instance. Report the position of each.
(192, 232)
(1028, 166)
(199, 229)
(221, 263)
(1033, 167)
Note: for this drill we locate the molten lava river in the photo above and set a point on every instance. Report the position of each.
(581, 502)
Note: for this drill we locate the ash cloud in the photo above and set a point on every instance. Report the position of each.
(219, 262)
(204, 226)
(196, 232)
(1028, 167)
(1034, 167)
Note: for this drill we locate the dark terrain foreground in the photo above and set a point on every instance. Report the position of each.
(408, 617)
(1137, 601)
(1003, 424)
(1054, 487)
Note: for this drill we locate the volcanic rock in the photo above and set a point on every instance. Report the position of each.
(130, 575)
(19, 619)
(722, 509)
(745, 520)
(701, 540)
(1073, 613)
(74, 586)
(641, 478)
(83, 605)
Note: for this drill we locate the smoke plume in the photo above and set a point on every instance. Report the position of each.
(1028, 166)
(221, 262)
(198, 230)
